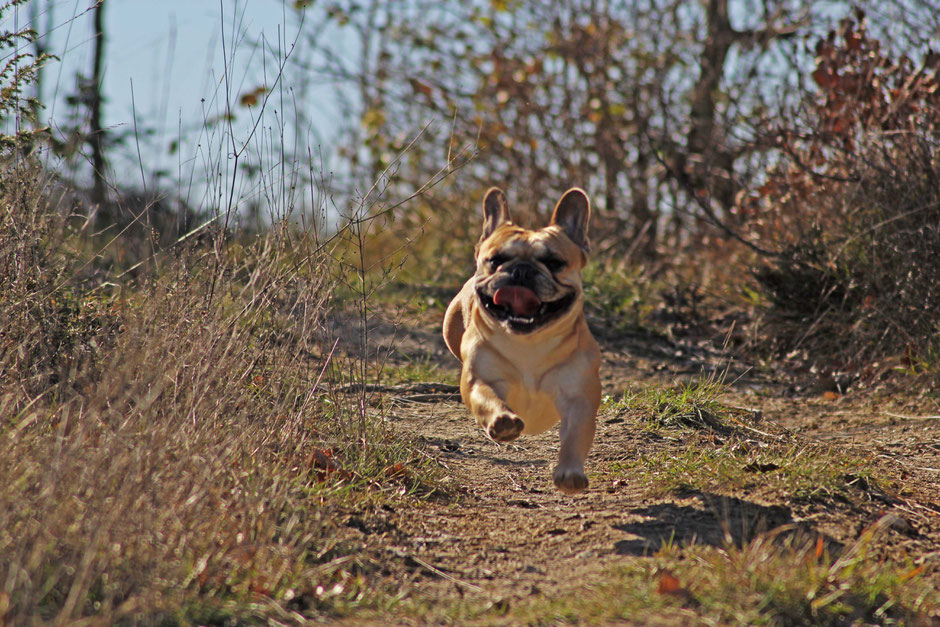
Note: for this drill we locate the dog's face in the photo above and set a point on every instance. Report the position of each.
(530, 280)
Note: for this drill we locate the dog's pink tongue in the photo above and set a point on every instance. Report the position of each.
(521, 300)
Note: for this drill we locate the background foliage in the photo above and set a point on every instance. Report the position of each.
(190, 383)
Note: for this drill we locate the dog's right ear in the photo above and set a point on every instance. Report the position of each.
(495, 211)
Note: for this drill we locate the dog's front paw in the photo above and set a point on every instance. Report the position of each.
(505, 427)
(570, 480)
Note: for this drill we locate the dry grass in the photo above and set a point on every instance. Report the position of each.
(775, 579)
(170, 448)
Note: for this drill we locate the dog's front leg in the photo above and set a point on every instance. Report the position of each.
(578, 416)
(490, 410)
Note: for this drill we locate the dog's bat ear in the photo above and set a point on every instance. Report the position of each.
(572, 214)
(495, 211)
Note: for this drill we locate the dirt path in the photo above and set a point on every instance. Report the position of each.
(511, 535)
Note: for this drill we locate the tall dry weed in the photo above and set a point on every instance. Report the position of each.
(173, 447)
(192, 463)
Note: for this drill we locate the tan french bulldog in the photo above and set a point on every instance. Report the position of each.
(529, 360)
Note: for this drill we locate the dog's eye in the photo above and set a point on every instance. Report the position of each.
(496, 261)
(554, 264)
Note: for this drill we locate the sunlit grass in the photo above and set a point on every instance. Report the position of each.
(788, 471)
(776, 579)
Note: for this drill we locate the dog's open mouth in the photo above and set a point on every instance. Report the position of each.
(521, 308)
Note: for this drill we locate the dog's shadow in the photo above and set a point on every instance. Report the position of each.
(720, 521)
(486, 450)
(500, 455)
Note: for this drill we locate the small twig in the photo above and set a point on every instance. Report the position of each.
(911, 512)
(417, 388)
(427, 398)
(326, 363)
(29, 419)
(140, 161)
(933, 511)
(902, 416)
(179, 241)
(512, 479)
(704, 203)
(911, 466)
(638, 239)
(339, 561)
(451, 578)
(778, 438)
(433, 458)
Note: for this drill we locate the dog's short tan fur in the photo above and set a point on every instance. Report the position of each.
(524, 371)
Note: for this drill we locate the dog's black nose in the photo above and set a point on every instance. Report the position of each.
(523, 273)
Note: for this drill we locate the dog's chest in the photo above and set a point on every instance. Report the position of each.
(531, 392)
(536, 408)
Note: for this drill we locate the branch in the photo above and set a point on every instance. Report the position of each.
(704, 203)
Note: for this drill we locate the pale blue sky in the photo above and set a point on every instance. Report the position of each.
(171, 51)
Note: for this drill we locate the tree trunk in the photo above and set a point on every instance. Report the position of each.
(96, 132)
(709, 159)
(711, 165)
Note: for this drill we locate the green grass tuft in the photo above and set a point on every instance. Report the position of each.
(695, 404)
(786, 471)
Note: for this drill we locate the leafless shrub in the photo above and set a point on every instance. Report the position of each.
(856, 207)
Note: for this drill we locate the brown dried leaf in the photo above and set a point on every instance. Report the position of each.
(670, 584)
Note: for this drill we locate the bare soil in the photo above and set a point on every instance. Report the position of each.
(510, 535)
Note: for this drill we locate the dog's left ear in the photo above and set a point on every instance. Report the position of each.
(572, 214)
